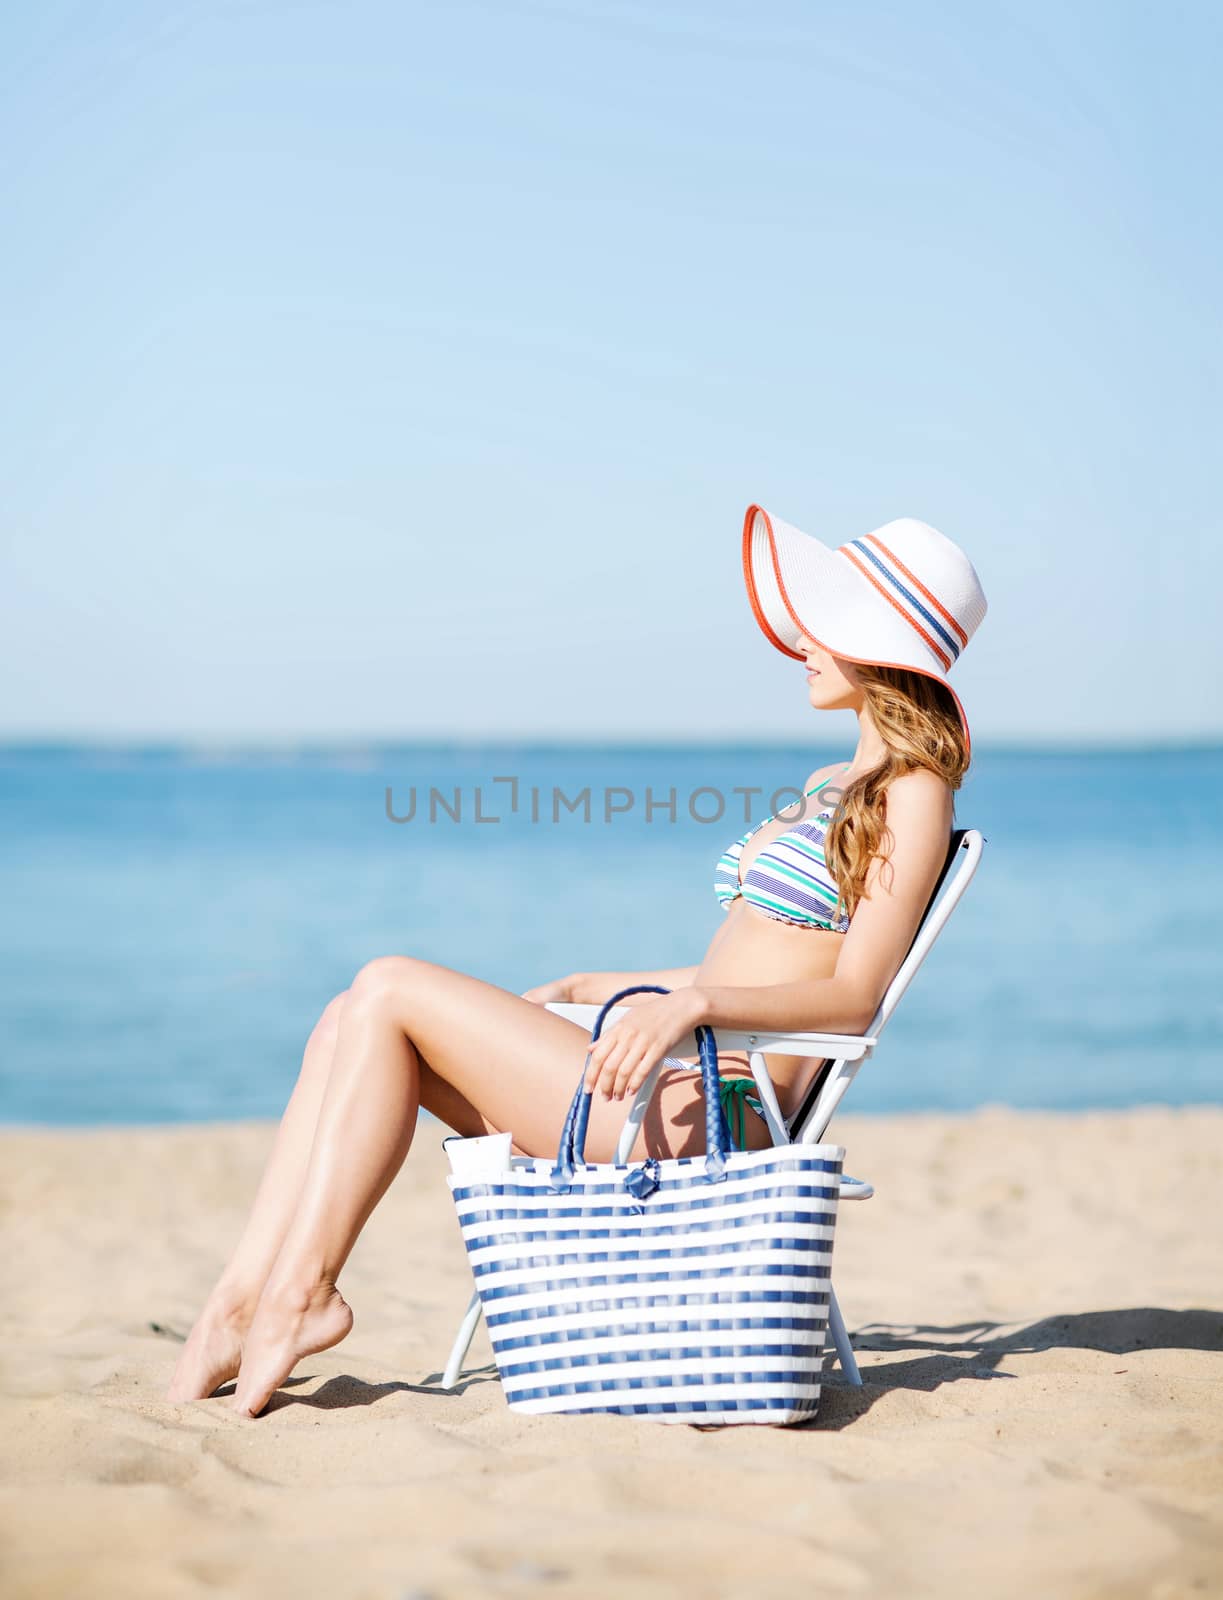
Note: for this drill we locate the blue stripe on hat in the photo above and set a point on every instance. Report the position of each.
(948, 640)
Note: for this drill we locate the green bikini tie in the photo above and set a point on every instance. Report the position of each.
(734, 1092)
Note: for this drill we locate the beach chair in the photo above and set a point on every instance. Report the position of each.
(844, 1055)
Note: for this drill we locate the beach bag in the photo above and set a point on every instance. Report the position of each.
(689, 1289)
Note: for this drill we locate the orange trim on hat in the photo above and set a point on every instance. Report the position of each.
(750, 576)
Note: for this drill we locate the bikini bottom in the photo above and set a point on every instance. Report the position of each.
(736, 1093)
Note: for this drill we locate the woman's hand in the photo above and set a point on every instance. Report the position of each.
(623, 1055)
(560, 990)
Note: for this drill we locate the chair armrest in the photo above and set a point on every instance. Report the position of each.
(837, 1046)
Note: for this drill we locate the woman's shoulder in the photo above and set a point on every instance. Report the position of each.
(922, 787)
(920, 804)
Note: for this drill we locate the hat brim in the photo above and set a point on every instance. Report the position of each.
(798, 586)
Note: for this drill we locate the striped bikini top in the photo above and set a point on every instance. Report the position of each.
(789, 879)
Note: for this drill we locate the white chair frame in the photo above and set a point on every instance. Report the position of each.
(846, 1054)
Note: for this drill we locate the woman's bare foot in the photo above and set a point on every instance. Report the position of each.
(288, 1324)
(213, 1352)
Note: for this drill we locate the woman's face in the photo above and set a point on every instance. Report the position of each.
(832, 684)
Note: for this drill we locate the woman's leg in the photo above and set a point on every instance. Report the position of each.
(213, 1351)
(408, 1029)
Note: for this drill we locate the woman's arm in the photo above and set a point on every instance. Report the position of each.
(821, 1005)
(594, 988)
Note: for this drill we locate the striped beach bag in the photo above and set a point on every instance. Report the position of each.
(689, 1289)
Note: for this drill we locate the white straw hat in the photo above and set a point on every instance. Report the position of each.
(903, 596)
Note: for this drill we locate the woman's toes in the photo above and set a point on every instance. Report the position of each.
(211, 1357)
(287, 1326)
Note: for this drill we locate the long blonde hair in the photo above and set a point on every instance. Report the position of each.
(920, 727)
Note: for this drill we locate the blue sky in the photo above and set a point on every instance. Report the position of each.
(392, 370)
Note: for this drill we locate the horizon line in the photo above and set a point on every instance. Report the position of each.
(208, 744)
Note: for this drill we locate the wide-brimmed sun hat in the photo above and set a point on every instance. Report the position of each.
(903, 596)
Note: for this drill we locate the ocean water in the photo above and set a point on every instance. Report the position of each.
(173, 920)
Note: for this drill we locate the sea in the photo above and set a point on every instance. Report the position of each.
(173, 919)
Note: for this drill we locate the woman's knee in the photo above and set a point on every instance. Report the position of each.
(329, 1020)
(325, 1031)
(386, 982)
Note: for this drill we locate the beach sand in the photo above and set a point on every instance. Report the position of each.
(1036, 1300)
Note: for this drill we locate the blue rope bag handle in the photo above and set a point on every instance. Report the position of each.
(572, 1149)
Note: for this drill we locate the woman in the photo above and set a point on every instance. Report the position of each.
(819, 915)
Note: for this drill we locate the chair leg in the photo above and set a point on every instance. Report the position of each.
(840, 1338)
(462, 1342)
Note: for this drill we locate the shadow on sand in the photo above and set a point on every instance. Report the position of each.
(951, 1353)
(342, 1393)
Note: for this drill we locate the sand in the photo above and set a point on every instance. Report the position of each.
(1035, 1299)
